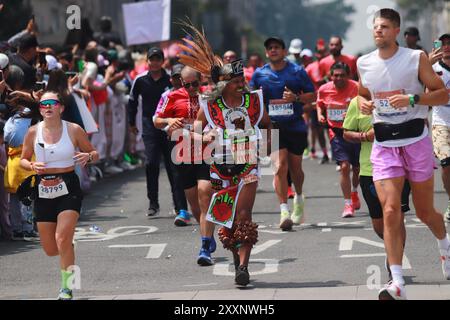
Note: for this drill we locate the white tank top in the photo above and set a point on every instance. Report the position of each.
(387, 77)
(441, 114)
(58, 155)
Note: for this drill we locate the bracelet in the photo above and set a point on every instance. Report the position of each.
(412, 102)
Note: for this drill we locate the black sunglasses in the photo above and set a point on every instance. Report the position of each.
(194, 84)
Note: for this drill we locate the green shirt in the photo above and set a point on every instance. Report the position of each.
(355, 121)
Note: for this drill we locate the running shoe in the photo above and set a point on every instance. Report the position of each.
(355, 200)
(306, 153)
(285, 222)
(182, 219)
(65, 294)
(324, 160)
(204, 258)
(447, 213)
(392, 291)
(348, 212)
(127, 166)
(30, 236)
(297, 212)
(445, 258)
(113, 169)
(153, 210)
(291, 193)
(242, 276)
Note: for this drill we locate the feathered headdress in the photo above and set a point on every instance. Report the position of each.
(199, 56)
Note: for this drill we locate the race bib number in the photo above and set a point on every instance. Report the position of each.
(51, 189)
(384, 108)
(280, 108)
(336, 114)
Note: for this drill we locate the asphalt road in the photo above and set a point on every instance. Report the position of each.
(132, 254)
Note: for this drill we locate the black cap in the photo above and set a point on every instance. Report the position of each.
(413, 31)
(274, 39)
(176, 69)
(444, 36)
(155, 51)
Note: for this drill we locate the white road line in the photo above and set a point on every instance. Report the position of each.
(406, 263)
(322, 224)
(326, 230)
(266, 245)
(201, 285)
(154, 252)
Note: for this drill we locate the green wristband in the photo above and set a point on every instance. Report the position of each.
(411, 100)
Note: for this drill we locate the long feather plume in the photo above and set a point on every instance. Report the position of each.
(197, 53)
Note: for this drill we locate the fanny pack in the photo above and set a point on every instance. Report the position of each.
(230, 169)
(410, 129)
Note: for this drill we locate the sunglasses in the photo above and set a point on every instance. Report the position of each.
(194, 84)
(49, 103)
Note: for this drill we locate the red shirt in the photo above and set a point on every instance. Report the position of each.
(335, 102)
(326, 63)
(313, 71)
(179, 104)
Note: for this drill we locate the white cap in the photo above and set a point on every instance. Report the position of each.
(306, 52)
(52, 63)
(296, 46)
(4, 61)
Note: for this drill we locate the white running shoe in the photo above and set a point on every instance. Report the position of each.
(113, 170)
(392, 291)
(297, 216)
(127, 166)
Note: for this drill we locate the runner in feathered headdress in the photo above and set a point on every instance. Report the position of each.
(235, 115)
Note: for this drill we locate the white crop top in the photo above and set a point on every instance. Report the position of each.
(58, 155)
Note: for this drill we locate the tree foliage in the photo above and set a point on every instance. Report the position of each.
(414, 8)
(299, 19)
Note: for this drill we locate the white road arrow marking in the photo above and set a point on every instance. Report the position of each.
(346, 244)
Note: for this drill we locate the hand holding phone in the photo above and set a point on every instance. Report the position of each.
(437, 44)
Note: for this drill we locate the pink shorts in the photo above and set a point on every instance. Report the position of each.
(415, 162)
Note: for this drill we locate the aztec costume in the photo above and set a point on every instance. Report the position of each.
(235, 155)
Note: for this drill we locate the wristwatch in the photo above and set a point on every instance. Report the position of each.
(90, 158)
(416, 98)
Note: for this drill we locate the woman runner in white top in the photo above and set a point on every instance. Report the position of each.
(58, 204)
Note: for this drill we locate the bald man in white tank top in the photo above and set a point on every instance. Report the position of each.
(392, 81)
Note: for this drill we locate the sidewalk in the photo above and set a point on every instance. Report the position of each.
(414, 292)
